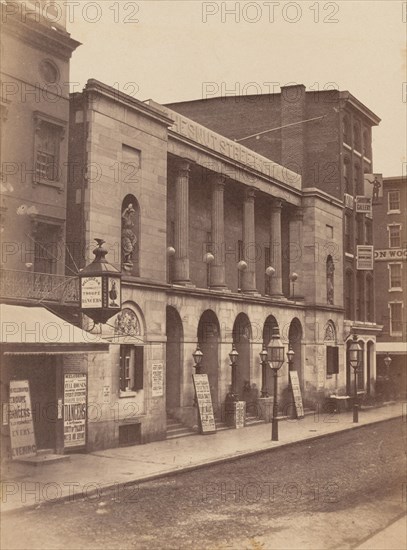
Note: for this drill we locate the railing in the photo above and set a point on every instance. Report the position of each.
(40, 287)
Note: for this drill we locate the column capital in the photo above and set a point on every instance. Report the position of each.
(277, 204)
(250, 194)
(183, 166)
(217, 180)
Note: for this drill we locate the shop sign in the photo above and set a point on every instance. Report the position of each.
(203, 397)
(364, 205)
(296, 389)
(75, 389)
(91, 292)
(364, 260)
(390, 254)
(21, 421)
(157, 379)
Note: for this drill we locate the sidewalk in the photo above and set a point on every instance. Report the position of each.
(87, 475)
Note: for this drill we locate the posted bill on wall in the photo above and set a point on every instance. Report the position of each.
(21, 421)
(74, 410)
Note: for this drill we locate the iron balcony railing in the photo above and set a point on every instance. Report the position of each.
(41, 287)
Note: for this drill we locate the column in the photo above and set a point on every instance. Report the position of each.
(249, 243)
(181, 259)
(295, 252)
(218, 233)
(275, 248)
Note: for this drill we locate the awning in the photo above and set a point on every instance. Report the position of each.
(395, 348)
(35, 330)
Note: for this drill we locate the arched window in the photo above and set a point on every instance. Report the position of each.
(332, 350)
(130, 238)
(349, 294)
(360, 296)
(330, 287)
(346, 130)
(357, 138)
(369, 299)
(366, 143)
(347, 176)
(357, 180)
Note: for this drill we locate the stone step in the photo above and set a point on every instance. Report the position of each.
(43, 456)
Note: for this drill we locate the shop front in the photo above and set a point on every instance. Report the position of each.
(43, 382)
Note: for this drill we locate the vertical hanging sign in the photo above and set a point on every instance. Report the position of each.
(21, 421)
(74, 410)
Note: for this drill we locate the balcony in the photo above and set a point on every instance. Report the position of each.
(27, 286)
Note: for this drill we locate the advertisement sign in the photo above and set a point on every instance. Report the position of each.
(364, 261)
(240, 414)
(91, 292)
(75, 410)
(373, 184)
(296, 389)
(21, 421)
(114, 293)
(364, 205)
(157, 379)
(390, 254)
(203, 396)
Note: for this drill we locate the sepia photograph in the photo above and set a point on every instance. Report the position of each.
(203, 280)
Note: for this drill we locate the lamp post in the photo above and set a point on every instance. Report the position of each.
(263, 361)
(275, 353)
(387, 362)
(197, 356)
(355, 359)
(293, 278)
(233, 355)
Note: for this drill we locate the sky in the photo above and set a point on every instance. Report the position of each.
(172, 50)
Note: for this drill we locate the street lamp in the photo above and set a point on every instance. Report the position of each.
(263, 361)
(275, 354)
(387, 362)
(293, 278)
(290, 358)
(197, 356)
(233, 355)
(355, 360)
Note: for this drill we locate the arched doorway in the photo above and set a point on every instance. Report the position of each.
(174, 359)
(294, 342)
(267, 375)
(242, 333)
(208, 339)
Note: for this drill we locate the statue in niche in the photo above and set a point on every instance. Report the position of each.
(330, 269)
(129, 237)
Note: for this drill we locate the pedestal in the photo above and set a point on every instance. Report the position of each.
(265, 408)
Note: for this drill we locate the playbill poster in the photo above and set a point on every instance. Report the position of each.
(74, 410)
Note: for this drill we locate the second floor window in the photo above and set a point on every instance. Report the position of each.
(348, 233)
(394, 200)
(395, 276)
(47, 152)
(394, 236)
(396, 320)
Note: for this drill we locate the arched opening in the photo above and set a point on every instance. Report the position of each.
(294, 342)
(242, 333)
(267, 375)
(369, 366)
(130, 235)
(174, 358)
(208, 339)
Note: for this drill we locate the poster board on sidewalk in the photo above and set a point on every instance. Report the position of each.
(204, 400)
(22, 436)
(296, 389)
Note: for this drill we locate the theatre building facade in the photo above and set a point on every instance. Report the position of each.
(217, 245)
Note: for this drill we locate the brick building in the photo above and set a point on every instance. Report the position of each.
(390, 238)
(41, 353)
(326, 137)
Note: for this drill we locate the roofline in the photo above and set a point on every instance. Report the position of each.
(109, 92)
(344, 95)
